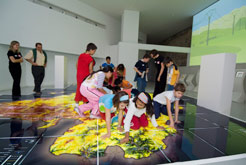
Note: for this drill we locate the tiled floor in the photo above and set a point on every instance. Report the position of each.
(238, 110)
(46, 130)
(24, 90)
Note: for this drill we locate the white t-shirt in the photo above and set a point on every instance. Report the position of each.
(161, 98)
(96, 81)
(133, 111)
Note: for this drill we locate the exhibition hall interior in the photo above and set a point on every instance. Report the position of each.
(123, 82)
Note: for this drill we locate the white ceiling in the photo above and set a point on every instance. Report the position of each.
(159, 19)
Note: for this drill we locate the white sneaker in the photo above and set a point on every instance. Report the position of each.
(95, 116)
(78, 111)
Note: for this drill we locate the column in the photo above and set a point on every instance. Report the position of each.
(60, 72)
(216, 82)
(128, 48)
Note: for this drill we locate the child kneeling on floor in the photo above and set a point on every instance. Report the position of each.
(92, 89)
(163, 103)
(108, 105)
(136, 114)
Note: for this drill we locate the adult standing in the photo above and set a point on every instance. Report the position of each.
(84, 66)
(161, 75)
(38, 58)
(15, 58)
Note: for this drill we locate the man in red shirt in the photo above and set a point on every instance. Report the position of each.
(84, 66)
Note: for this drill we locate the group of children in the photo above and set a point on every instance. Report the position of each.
(167, 72)
(108, 94)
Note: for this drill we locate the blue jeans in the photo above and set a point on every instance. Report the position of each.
(141, 84)
(160, 108)
(170, 87)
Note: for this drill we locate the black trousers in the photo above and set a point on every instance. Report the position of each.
(16, 75)
(160, 85)
(38, 73)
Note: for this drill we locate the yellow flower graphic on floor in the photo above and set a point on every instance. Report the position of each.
(85, 139)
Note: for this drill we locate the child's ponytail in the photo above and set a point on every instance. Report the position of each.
(149, 105)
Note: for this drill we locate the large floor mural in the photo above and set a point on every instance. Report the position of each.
(85, 139)
(48, 131)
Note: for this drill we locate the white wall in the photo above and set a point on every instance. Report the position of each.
(113, 53)
(60, 34)
(29, 22)
(113, 26)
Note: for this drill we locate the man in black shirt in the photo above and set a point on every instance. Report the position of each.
(161, 75)
(142, 68)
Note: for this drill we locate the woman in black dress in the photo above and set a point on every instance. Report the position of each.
(161, 75)
(15, 58)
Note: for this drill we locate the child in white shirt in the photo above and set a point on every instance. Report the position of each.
(136, 114)
(163, 103)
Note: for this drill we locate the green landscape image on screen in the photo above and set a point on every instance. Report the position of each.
(221, 28)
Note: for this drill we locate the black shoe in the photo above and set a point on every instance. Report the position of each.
(15, 98)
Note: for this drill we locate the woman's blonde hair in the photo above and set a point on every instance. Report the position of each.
(11, 46)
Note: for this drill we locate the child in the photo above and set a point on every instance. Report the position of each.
(92, 89)
(122, 83)
(173, 74)
(108, 105)
(136, 114)
(163, 103)
(126, 86)
(161, 74)
(119, 71)
(84, 66)
(142, 68)
(112, 90)
(108, 63)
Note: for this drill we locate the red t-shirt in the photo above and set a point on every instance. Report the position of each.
(84, 61)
